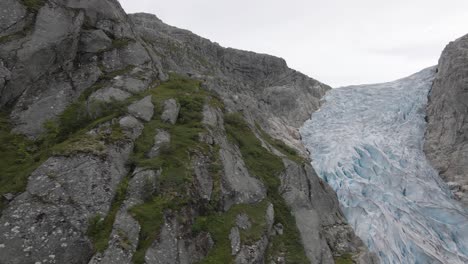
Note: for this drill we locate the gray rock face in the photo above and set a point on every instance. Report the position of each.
(203, 179)
(162, 138)
(173, 248)
(322, 227)
(234, 236)
(243, 222)
(125, 233)
(131, 127)
(49, 220)
(94, 41)
(446, 144)
(52, 57)
(11, 15)
(143, 109)
(69, 47)
(238, 186)
(108, 95)
(253, 253)
(170, 111)
(277, 97)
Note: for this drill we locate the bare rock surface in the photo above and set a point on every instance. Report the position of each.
(161, 139)
(143, 109)
(446, 144)
(51, 217)
(170, 111)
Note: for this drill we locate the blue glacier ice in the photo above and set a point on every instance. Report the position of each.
(366, 141)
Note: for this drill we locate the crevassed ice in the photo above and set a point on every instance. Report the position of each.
(367, 143)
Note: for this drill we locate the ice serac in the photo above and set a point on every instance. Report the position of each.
(446, 143)
(367, 143)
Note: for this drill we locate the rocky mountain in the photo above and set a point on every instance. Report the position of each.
(125, 140)
(446, 143)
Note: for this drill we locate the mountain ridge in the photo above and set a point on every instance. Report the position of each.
(140, 135)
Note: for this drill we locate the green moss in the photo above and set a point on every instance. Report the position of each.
(120, 43)
(150, 216)
(267, 167)
(82, 143)
(344, 259)
(100, 228)
(33, 5)
(219, 226)
(19, 158)
(175, 159)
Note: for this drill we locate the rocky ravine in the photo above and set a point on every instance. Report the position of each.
(145, 143)
(446, 143)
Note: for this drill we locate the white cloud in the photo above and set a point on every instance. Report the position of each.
(338, 42)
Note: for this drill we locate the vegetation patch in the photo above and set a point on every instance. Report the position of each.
(175, 159)
(219, 225)
(120, 43)
(267, 167)
(344, 259)
(100, 228)
(19, 158)
(33, 5)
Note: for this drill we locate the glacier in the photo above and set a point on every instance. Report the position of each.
(366, 142)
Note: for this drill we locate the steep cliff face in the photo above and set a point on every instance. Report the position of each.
(145, 143)
(446, 137)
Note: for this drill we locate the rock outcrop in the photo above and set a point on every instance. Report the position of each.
(127, 156)
(446, 143)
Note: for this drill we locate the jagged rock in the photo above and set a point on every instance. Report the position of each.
(238, 186)
(47, 69)
(125, 232)
(94, 41)
(143, 109)
(204, 181)
(5, 75)
(315, 207)
(173, 246)
(277, 97)
(35, 107)
(446, 144)
(131, 127)
(170, 111)
(270, 217)
(85, 76)
(162, 138)
(51, 217)
(129, 84)
(12, 13)
(279, 229)
(133, 53)
(234, 236)
(9, 196)
(108, 95)
(243, 222)
(249, 254)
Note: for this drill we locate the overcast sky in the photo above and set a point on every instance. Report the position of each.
(338, 42)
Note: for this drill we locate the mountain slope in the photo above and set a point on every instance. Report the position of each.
(446, 137)
(367, 143)
(140, 138)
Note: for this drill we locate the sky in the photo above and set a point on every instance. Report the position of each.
(338, 42)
